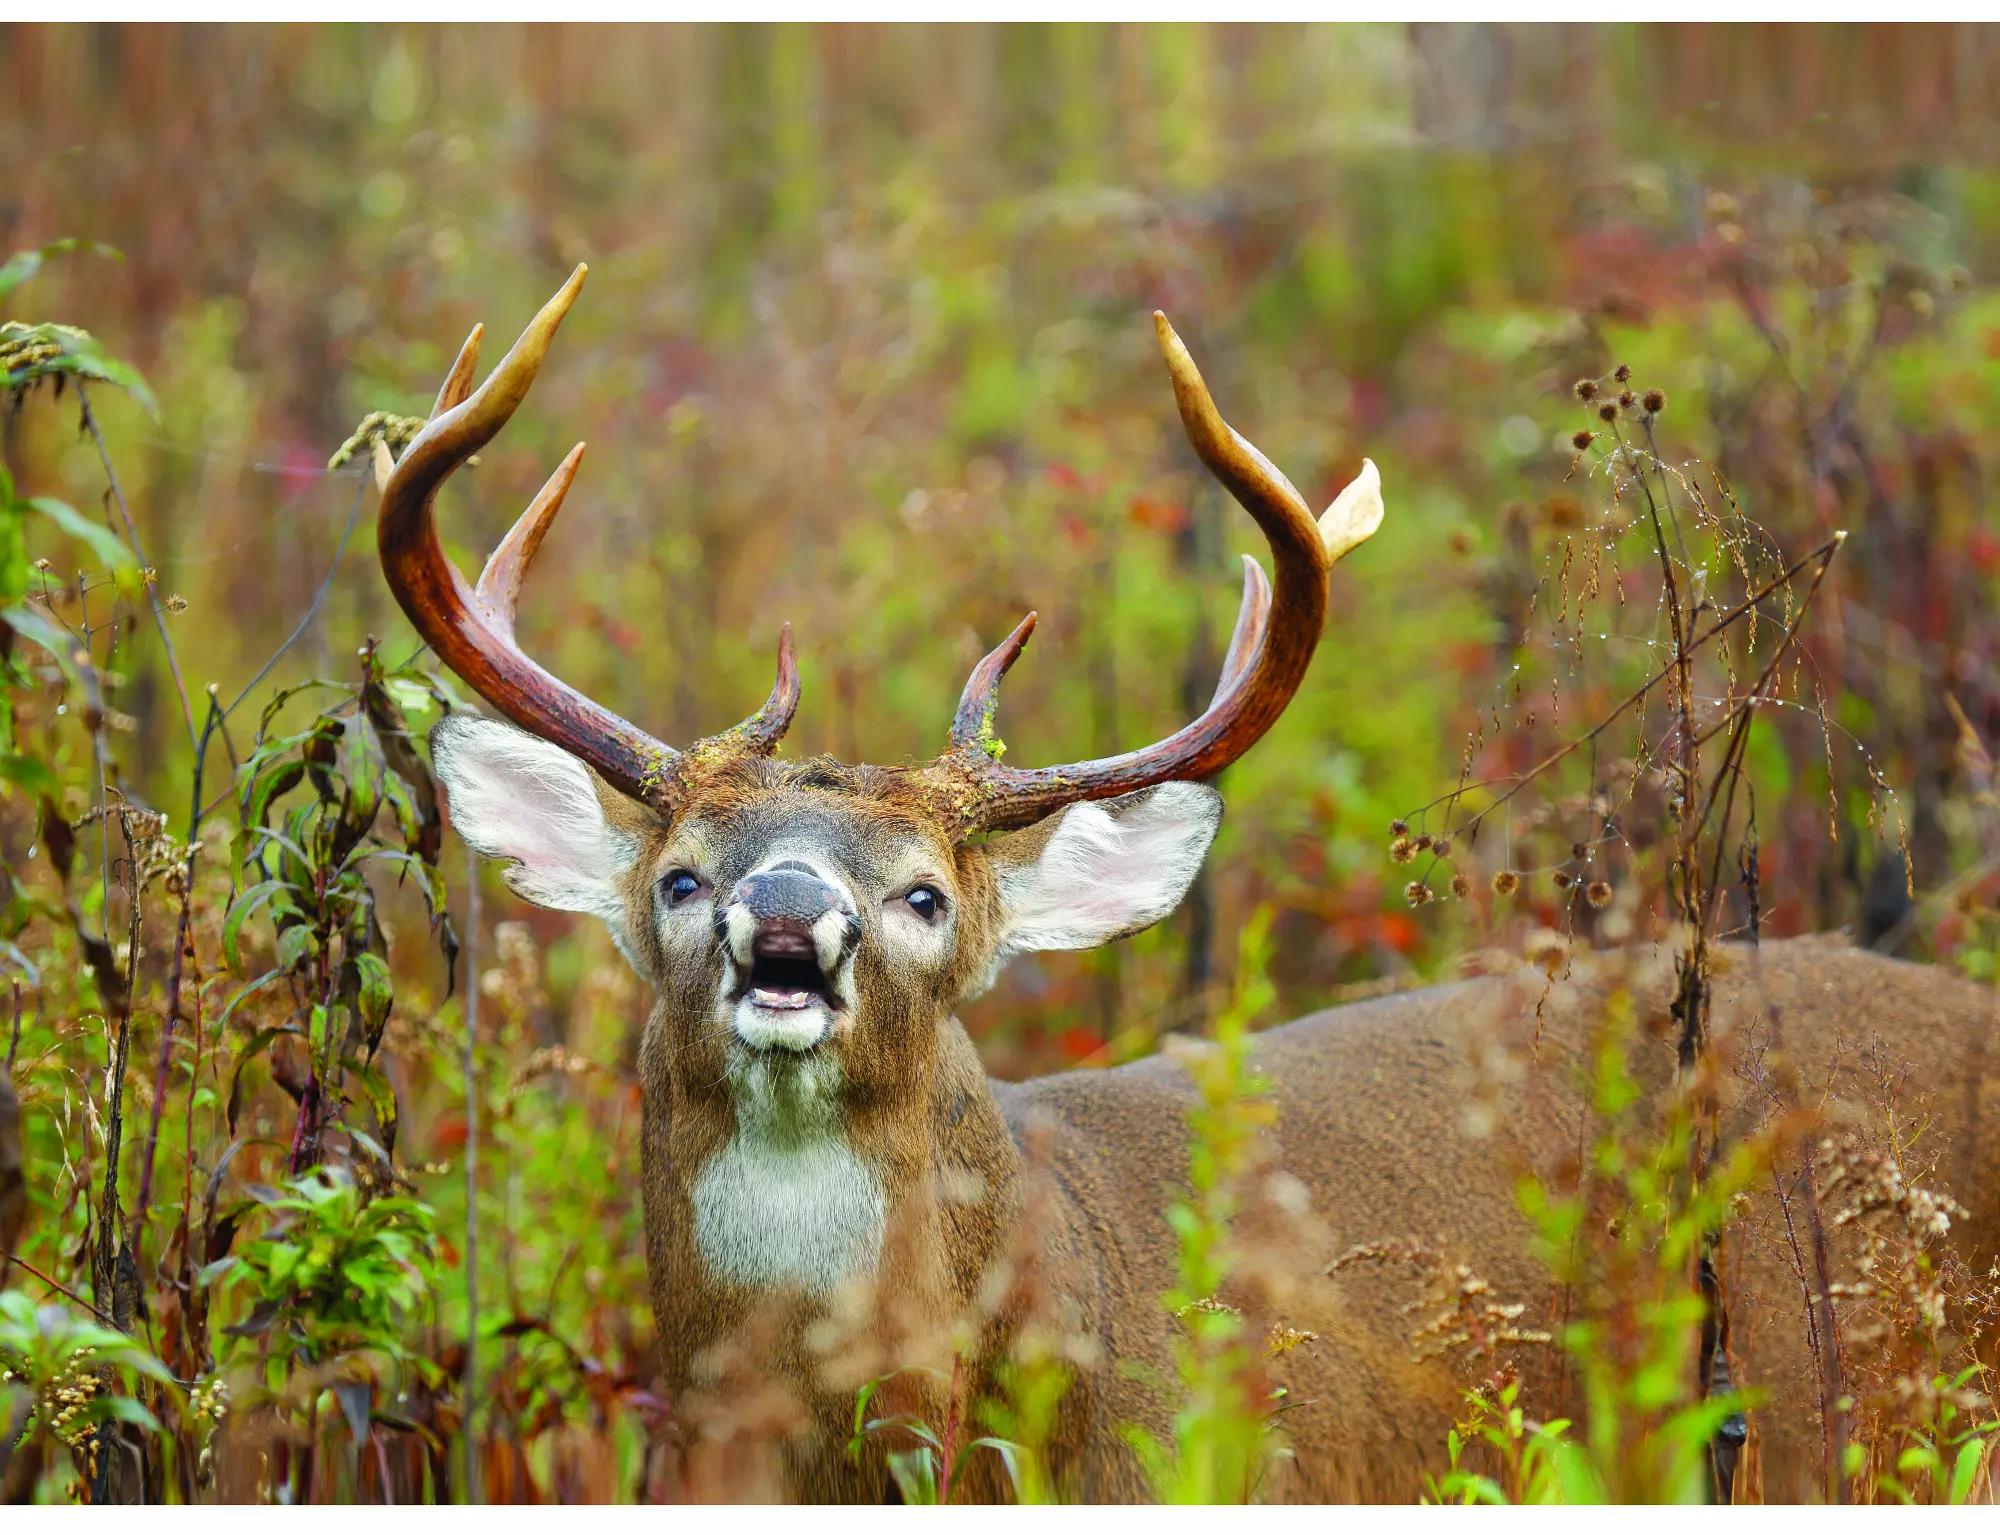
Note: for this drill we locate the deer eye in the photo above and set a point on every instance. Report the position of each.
(925, 902)
(678, 884)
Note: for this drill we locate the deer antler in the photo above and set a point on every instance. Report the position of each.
(473, 631)
(1275, 636)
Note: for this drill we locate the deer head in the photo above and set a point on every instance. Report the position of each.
(808, 917)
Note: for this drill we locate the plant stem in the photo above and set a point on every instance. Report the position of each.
(132, 537)
(468, 1384)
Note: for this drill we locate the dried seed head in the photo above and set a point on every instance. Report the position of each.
(1401, 850)
(1628, 399)
(1461, 887)
(1399, 828)
(1585, 388)
(1564, 879)
(1655, 401)
(1583, 440)
(1417, 893)
(1608, 411)
(1442, 847)
(1506, 882)
(1578, 850)
(1623, 373)
(1598, 893)
(1423, 842)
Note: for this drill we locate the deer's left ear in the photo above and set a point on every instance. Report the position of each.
(1104, 870)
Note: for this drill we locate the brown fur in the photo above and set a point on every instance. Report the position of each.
(1373, 1122)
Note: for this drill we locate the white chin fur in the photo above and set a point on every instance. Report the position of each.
(781, 1028)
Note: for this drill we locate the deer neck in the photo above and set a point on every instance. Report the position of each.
(796, 1182)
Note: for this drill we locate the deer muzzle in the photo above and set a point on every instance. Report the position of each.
(789, 935)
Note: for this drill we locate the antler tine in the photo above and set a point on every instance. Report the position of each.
(458, 382)
(1251, 619)
(972, 725)
(499, 588)
(472, 631)
(1278, 627)
(762, 732)
(1244, 472)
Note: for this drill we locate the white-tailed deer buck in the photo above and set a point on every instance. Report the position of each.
(830, 1176)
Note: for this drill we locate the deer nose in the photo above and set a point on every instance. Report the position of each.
(787, 894)
(786, 909)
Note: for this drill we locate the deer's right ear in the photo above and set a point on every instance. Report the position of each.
(514, 796)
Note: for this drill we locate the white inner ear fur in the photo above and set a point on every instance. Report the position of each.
(1108, 870)
(514, 796)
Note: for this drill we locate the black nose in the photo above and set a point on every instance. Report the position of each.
(784, 893)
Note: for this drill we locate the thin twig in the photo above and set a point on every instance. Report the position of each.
(138, 550)
(1522, 780)
(109, 1227)
(469, 1381)
(171, 1018)
(56, 1285)
(319, 597)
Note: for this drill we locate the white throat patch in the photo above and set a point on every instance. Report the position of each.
(787, 1202)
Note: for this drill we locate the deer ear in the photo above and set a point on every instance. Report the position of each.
(1099, 871)
(514, 796)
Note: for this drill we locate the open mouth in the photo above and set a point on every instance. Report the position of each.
(784, 973)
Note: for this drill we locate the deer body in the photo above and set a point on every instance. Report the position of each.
(1372, 1102)
(833, 1190)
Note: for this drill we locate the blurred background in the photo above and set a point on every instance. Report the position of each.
(866, 347)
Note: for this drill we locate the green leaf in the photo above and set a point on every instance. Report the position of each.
(108, 547)
(29, 773)
(241, 909)
(126, 1410)
(1963, 1471)
(229, 1010)
(296, 944)
(915, 1475)
(23, 265)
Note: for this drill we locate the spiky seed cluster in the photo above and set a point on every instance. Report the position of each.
(1598, 893)
(552, 1061)
(67, 1407)
(378, 425)
(1208, 1305)
(1564, 879)
(1461, 887)
(1608, 411)
(1585, 389)
(1583, 440)
(1655, 401)
(1417, 893)
(1623, 373)
(1399, 828)
(1402, 850)
(1282, 1340)
(209, 1400)
(1506, 882)
(1863, 1181)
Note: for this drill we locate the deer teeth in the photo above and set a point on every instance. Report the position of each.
(786, 999)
